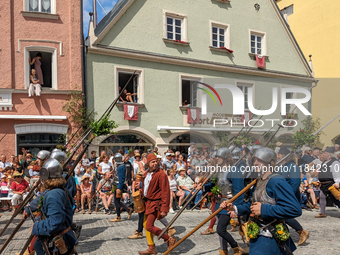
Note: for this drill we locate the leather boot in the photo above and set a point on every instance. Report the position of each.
(208, 231)
(129, 213)
(171, 231)
(150, 251)
(171, 242)
(303, 236)
(117, 219)
(136, 235)
(238, 250)
(223, 252)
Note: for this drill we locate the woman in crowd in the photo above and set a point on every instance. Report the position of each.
(138, 165)
(105, 187)
(19, 188)
(105, 166)
(86, 188)
(79, 172)
(175, 190)
(144, 158)
(180, 163)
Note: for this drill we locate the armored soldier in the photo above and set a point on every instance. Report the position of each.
(57, 212)
(230, 182)
(272, 202)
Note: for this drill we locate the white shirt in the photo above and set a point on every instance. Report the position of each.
(110, 160)
(147, 181)
(81, 173)
(3, 166)
(106, 167)
(335, 169)
(136, 166)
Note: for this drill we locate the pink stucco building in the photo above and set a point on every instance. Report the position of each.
(29, 28)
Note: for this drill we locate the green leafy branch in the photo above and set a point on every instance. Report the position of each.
(103, 127)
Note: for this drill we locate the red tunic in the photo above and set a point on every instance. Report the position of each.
(158, 192)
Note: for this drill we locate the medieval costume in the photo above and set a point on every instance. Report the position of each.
(271, 202)
(156, 194)
(329, 177)
(230, 181)
(291, 172)
(57, 213)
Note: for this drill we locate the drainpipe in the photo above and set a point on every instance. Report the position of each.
(83, 77)
(94, 5)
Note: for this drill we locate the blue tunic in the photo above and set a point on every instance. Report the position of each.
(58, 217)
(121, 176)
(236, 179)
(291, 172)
(286, 207)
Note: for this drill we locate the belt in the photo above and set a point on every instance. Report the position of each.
(64, 232)
(326, 182)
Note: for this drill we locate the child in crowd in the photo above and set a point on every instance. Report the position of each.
(4, 190)
(86, 188)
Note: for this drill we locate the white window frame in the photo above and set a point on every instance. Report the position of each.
(226, 28)
(54, 64)
(130, 70)
(291, 106)
(184, 25)
(246, 84)
(263, 41)
(193, 78)
(53, 7)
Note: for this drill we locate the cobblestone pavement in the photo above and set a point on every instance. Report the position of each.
(100, 236)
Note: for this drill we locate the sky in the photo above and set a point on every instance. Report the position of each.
(107, 6)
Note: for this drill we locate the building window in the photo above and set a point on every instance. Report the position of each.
(44, 61)
(244, 87)
(45, 6)
(175, 26)
(134, 90)
(189, 93)
(219, 35)
(258, 43)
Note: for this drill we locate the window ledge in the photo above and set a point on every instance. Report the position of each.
(176, 42)
(122, 104)
(221, 49)
(253, 55)
(40, 15)
(185, 108)
(223, 1)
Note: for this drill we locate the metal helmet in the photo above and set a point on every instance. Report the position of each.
(237, 153)
(52, 169)
(223, 153)
(254, 148)
(54, 150)
(265, 154)
(43, 154)
(59, 155)
(118, 158)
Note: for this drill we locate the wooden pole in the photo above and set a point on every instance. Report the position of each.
(183, 207)
(212, 216)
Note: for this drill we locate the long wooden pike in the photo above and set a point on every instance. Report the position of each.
(273, 135)
(185, 205)
(212, 216)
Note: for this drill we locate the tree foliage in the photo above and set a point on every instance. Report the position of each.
(223, 137)
(305, 135)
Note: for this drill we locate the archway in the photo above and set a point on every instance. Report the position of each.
(124, 142)
(182, 142)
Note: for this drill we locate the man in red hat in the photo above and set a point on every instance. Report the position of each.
(156, 194)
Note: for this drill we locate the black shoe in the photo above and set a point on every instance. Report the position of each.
(77, 231)
(197, 208)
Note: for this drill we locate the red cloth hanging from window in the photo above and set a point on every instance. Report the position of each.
(193, 116)
(246, 117)
(130, 112)
(260, 61)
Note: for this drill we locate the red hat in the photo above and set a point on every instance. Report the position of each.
(204, 148)
(150, 156)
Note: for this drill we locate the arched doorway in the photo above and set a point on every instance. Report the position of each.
(124, 142)
(286, 139)
(182, 142)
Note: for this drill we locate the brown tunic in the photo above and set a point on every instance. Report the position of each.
(158, 192)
